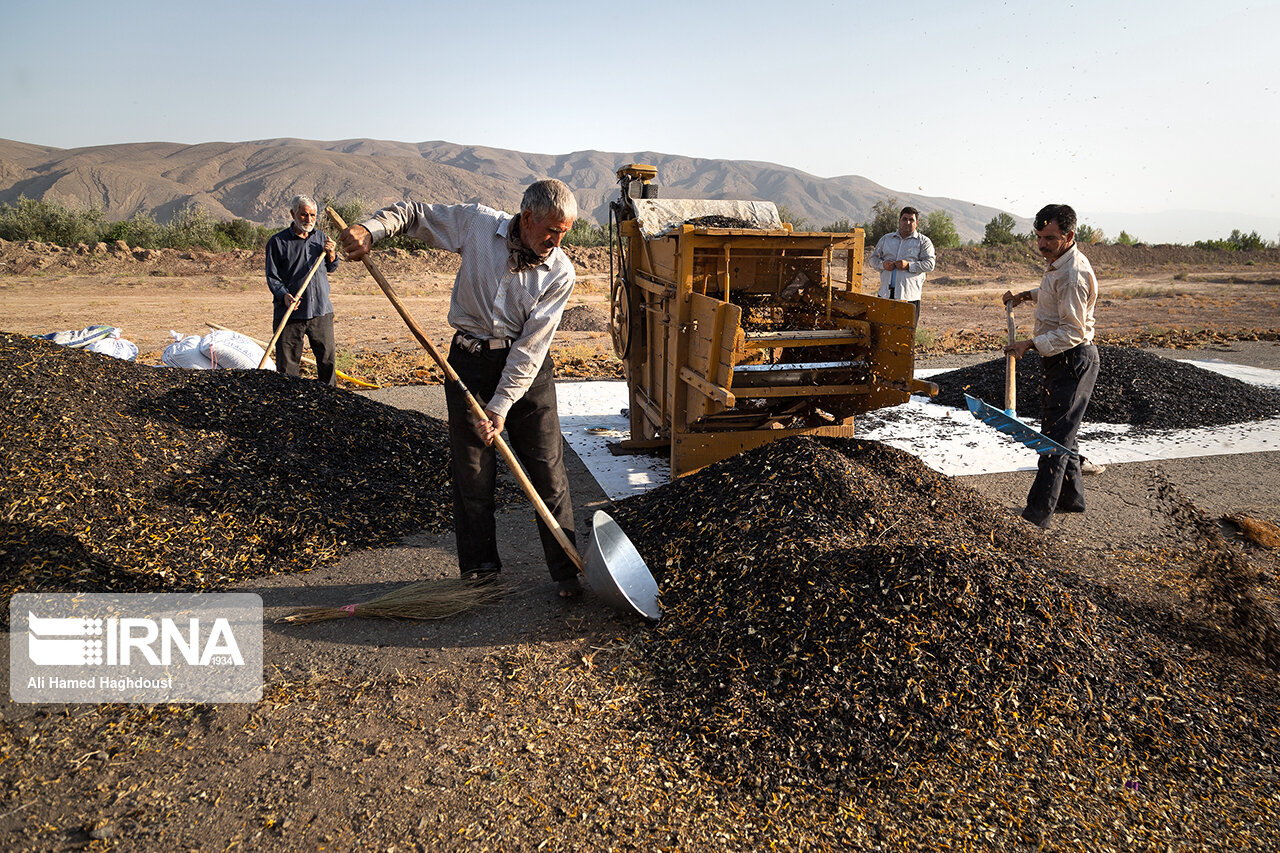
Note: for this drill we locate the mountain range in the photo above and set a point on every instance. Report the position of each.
(255, 180)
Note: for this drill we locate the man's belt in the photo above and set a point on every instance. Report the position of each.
(473, 345)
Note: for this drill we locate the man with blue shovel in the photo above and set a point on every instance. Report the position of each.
(1063, 335)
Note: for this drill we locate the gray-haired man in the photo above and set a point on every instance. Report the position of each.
(291, 254)
(508, 297)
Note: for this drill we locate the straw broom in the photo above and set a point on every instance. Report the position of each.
(430, 599)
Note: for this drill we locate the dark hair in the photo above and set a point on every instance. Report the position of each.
(910, 210)
(1059, 213)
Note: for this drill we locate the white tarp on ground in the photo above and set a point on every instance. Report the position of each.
(657, 216)
(98, 338)
(951, 441)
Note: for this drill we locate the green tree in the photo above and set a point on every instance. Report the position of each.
(1252, 241)
(884, 219)
(999, 231)
(1089, 236)
(840, 226)
(1125, 240)
(939, 227)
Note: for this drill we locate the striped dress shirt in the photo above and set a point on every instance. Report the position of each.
(489, 301)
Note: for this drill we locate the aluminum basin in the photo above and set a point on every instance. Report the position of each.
(616, 572)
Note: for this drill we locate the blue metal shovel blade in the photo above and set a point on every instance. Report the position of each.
(1006, 423)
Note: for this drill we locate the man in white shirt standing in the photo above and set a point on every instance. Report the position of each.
(507, 301)
(903, 257)
(1063, 335)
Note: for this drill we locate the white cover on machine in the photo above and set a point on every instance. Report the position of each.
(185, 352)
(657, 216)
(228, 349)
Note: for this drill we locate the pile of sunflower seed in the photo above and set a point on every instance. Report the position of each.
(837, 617)
(124, 477)
(1134, 387)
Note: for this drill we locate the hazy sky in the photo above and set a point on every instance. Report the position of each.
(1123, 109)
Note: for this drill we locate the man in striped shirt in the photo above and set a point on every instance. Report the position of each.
(507, 301)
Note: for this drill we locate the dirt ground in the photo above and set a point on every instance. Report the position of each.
(506, 728)
(1146, 293)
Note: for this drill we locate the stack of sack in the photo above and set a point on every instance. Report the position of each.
(220, 349)
(97, 338)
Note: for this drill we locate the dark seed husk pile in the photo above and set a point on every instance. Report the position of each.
(837, 617)
(127, 478)
(1134, 387)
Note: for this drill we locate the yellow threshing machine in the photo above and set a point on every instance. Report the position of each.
(733, 334)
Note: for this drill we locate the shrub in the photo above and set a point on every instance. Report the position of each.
(939, 227)
(1238, 241)
(242, 234)
(192, 227)
(586, 233)
(49, 222)
(352, 211)
(138, 230)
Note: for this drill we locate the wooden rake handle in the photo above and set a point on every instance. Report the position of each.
(279, 329)
(476, 411)
(1010, 367)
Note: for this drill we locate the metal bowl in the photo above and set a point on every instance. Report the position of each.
(616, 572)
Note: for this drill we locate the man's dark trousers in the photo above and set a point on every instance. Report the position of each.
(1069, 378)
(319, 332)
(533, 431)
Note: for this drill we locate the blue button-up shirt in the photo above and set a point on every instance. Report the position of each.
(289, 259)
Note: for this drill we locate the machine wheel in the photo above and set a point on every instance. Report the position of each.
(620, 317)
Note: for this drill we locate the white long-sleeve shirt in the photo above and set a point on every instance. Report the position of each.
(1064, 304)
(490, 302)
(917, 250)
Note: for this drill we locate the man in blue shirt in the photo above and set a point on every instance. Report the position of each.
(291, 254)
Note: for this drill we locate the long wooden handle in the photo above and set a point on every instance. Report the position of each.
(266, 355)
(1010, 367)
(476, 411)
